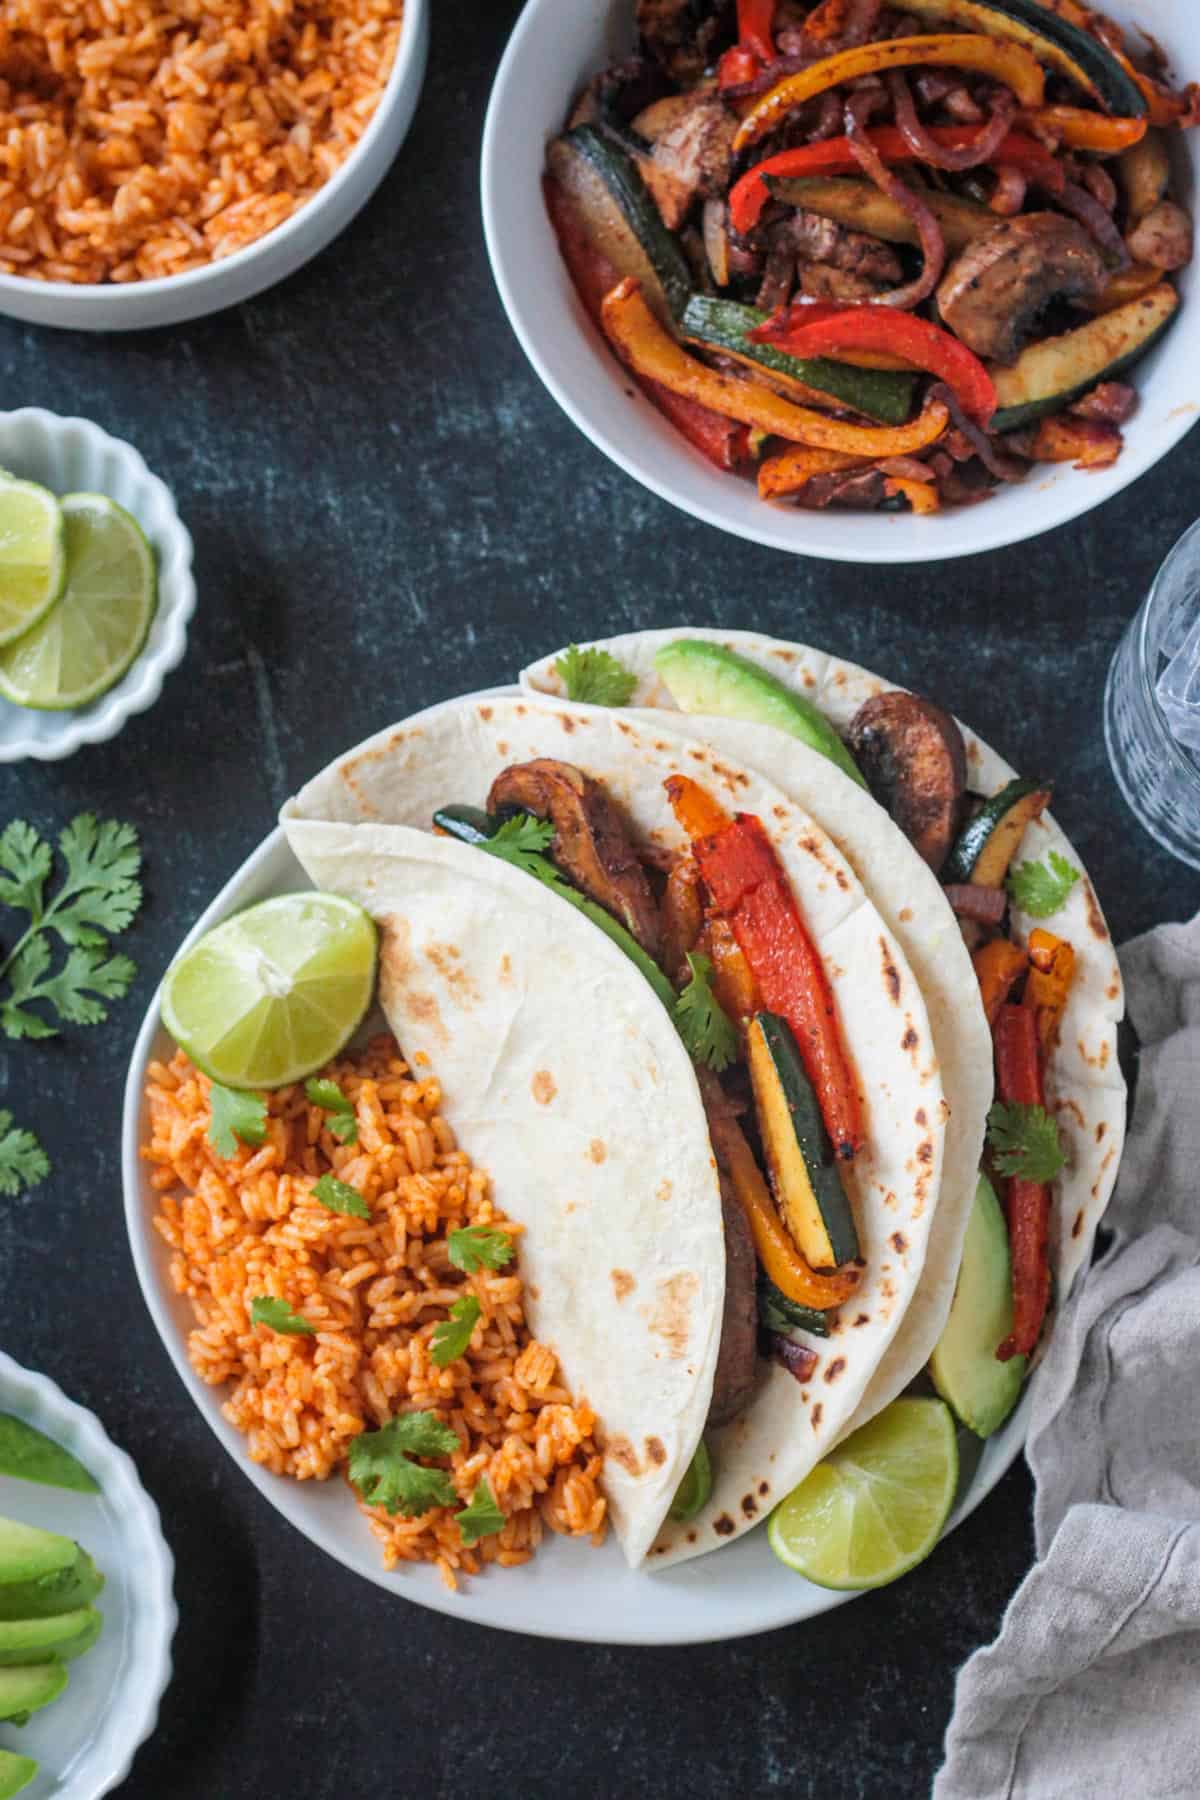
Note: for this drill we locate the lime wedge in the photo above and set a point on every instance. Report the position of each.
(33, 555)
(876, 1506)
(87, 639)
(274, 992)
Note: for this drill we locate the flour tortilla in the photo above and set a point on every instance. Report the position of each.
(623, 1254)
(1084, 1082)
(453, 753)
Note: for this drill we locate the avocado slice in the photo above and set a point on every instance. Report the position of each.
(47, 1595)
(706, 678)
(16, 1772)
(27, 1690)
(65, 1637)
(28, 1554)
(981, 1390)
(27, 1454)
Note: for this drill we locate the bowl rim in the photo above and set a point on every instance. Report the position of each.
(1076, 498)
(408, 51)
(175, 556)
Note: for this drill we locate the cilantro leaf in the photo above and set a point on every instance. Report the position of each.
(384, 1474)
(453, 1335)
(102, 865)
(595, 677)
(25, 860)
(482, 1517)
(76, 991)
(235, 1115)
(23, 1162)
(279, 1316)
(1041, 891)
(702, 1022)
(339, 1197)
(343, 1122)
(479, 1247)
(1025, 1141)
(522, 841)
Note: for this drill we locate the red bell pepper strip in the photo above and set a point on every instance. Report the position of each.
(736, 67)
(1019, 1079)
(725, 442)
(748, 885)
(832, 156)
(756, 22)
(927, 346)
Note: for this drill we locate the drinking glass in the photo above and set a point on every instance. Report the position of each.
(1152, 706)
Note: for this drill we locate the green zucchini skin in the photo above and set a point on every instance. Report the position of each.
(883, 394)
(860, 206)
(469, 824)
(960, 864)
(790, 1106)
(596, 171)
(777, 1313)
(1049, 375)
(1067, 48)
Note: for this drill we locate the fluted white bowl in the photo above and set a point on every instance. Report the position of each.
(73, 456)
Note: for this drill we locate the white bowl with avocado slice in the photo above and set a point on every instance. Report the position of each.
(86, 1608)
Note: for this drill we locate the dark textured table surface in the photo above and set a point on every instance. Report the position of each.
(388, 509)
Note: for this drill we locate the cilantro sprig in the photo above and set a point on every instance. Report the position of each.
(452, 1336)
(343, 1122)
(23, 1162)
(339, 1197)
(99, 897)
(236, 1116)
(482, 1517)
(707, 1031)
(277, 1315)
(383, 1470)
(1025, 1141)
(595, 677)
(476, 1247)
(1041, 889)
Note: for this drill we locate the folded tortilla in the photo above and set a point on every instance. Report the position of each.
(453, 753)
(1084, 1082)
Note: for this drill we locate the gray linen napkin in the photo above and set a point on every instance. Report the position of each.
(1093, 1686)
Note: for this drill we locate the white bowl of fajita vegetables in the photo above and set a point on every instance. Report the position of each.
(787, 260)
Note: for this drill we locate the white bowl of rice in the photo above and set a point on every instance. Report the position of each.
(156, 167)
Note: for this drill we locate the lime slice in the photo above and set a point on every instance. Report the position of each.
(274, 992)
(33, 555)
(87, 639)
(876, 1506)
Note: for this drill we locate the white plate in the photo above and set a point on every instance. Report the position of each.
(85, 1741)
(568, 1590)
(554, 50)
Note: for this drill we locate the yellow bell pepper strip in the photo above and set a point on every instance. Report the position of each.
(1007, 63)
(999, 966)
(778, 1255)
(694, 807)
(922, 496)
(1080, 129)
(650, 351)
(732, 981)
(787, 473)
(1051, 972)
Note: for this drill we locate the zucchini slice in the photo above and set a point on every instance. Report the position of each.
(1049, 375)
(987, 843)
(883, 394)
(620, 217)
(860, 206)
(1144, 174)
(800, 1160)
(1056, 43)
(777, 1313)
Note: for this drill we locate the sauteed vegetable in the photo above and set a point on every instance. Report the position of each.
(874, 255)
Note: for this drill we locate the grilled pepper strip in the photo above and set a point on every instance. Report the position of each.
(756, 22)
(1007, 63)
(723, 441)
(832, 156)
(1051, 972)
(776, 1252)
(650, 351)
(1080, 129)
(748, 885)
(921, 343)
(1019, 1079)
(787, 473)
(999, 966)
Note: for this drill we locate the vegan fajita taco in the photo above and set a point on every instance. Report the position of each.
(990, 903)
(799, 1028)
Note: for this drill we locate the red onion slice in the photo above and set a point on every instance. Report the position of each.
(918, 139)
(1003, 467)
(1091, 215)
(986, 906)
(933, 244)
(797, 1359)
